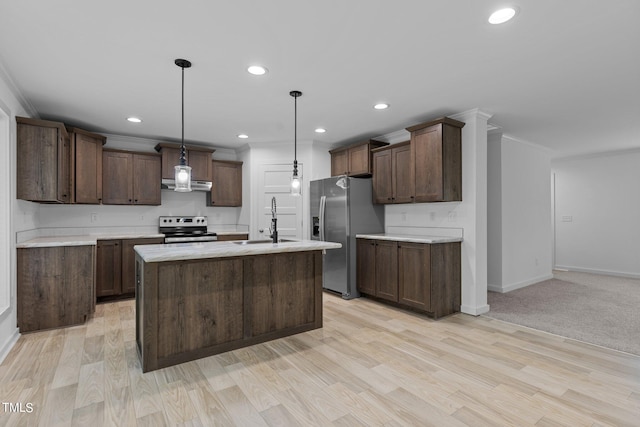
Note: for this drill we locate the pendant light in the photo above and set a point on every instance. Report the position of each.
(182, 171)
(296, 181)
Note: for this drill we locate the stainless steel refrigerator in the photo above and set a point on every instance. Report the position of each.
(342, 207)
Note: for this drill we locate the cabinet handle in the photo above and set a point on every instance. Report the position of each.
(136, 200)
(129, 200)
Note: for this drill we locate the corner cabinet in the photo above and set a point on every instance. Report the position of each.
(55, 286)
(131, 178)
(86, 166)
(43, 161)
(392, 174)
(227, 184)
(199, 158)
(436, 169)
(355, 159)
(420, 276)
(115, 266)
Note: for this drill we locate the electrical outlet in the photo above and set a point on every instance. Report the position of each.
(94, 217)
(567, 218)
(403, 215)
(452, 216)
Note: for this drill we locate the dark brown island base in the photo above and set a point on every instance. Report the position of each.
(199, 299)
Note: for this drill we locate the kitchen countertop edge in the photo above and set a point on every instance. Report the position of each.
(410, 239)
(204, 250)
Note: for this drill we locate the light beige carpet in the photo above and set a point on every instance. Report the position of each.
(602, 310)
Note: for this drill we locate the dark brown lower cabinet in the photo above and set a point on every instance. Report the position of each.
(55, 286)
(115, 272)
(420, 276)
(386, 270)
(236, 236)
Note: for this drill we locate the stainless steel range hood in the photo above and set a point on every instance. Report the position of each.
(170, 184)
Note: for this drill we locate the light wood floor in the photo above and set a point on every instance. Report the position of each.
(369, 365)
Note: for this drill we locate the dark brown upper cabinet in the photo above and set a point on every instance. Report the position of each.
(86, 166)
(199, 158)
(43, 161)
(130, 178)
(392, 174)
(436, 169)
(227, 184)
(355, 159)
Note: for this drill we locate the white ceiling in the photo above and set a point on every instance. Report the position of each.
(563, 74)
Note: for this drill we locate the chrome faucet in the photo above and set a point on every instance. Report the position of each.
(274, 221)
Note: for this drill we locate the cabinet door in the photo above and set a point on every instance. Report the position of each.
(87, 179)
(366, 266)
(340, 163)
(117, 169)
(200, 162)
(146, 175)
(37, 157)
(427, 168)
(387, 270)
(227, 184)
(129, 262)
(79, 283)
(54, 286)
(359, 160)
(170, 159)
(382, 180)
(109, 268)
(403, 186)
(414, 275)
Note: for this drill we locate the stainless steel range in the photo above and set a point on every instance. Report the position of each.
(178, 229)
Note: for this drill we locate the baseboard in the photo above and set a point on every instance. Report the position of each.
(8, 344)
(596, 271)
(512, 287)
(474, 311)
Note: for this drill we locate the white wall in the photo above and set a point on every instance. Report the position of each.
(519, 214)
(313, 159)
(467, 218)
(597, 213)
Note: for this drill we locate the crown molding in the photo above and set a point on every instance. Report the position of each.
(17, 93)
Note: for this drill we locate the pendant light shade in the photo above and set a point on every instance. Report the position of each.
(182, 171)
(296, 180)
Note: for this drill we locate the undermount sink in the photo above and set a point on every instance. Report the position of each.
(253, 242)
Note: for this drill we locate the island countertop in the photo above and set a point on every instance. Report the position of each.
(203, 250)
(411, 239)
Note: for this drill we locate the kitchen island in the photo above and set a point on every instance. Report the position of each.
(198, 299)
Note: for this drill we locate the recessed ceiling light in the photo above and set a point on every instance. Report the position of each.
(381, 106)
(321, 130)
(134, 119)
(243, 136)
(257, 70)
(501, 16)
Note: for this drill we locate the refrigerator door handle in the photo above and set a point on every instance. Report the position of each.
(323, 205)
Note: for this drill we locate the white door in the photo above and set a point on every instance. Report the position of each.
(275, 181)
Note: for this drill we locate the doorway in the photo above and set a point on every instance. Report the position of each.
(274, 181)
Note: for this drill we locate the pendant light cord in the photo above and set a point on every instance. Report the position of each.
(295, 130)
(183, 154)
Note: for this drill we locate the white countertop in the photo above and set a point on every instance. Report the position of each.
(202, 250)
(81, 240)
(411, 239)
